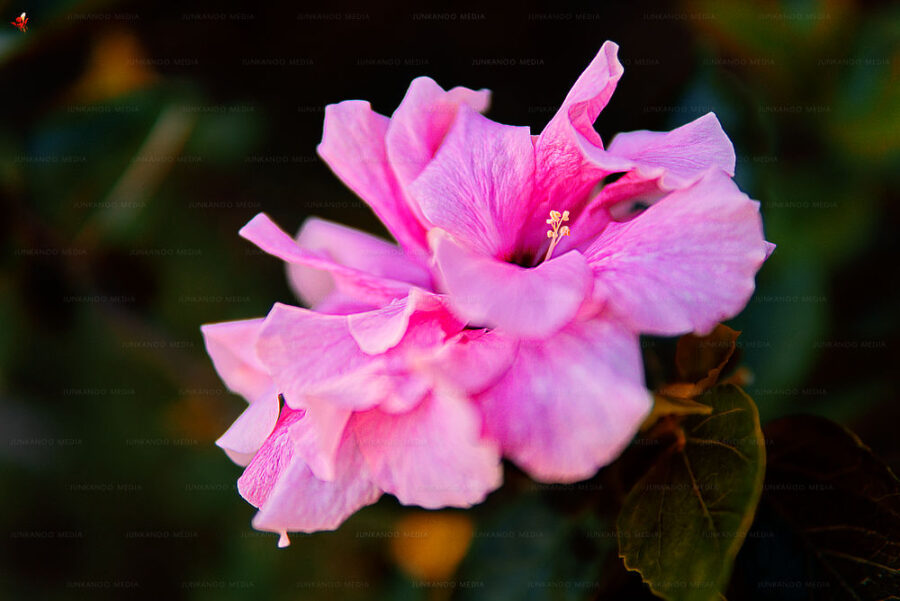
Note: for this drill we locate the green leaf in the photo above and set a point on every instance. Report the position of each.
(683, 523)
(836, 505)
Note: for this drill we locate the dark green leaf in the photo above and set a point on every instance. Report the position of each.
(683, 523)
(837, 505)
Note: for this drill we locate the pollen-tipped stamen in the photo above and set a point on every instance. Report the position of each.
(557, 230)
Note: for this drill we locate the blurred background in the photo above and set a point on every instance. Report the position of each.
(138, 137)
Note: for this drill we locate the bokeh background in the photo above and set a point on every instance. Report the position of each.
(138, 137)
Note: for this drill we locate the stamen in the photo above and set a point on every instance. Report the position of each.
(557, 230)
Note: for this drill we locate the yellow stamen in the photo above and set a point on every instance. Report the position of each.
(557, 230)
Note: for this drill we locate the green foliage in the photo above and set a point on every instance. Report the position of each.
(682, 524)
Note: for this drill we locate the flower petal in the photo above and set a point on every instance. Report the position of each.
(290, 497)
(421, 122)
(308, 353)
(684, 264)
(257, 481)
(478, 187)
(232, 347)
(381, 329)
(353, 145)
(569, 404)
(563, 176)
(318, 436)
(352, 248)
(252, 427)
(432, 456)
(531, 303)
(262, 232)
(316, 357)
(583, 103)
(676, 158)
(472, 360)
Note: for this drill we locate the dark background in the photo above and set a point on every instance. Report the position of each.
(138, 137)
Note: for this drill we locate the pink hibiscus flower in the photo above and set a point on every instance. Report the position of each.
(506, 322)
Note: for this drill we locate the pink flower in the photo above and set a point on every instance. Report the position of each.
(507, 319)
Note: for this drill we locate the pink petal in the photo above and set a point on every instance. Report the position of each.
(676, 158)
(472, 360)
(316, 357)
(232, 347)
(353, 145)
(311, 355)
(352, 248)
(252, 427)
(685, 263)
(290, 497)
(570, 404)
(478, 187)
(432, 456)
(527, 302)
(382, 329)
(419, 125)
(583, 103)
(318, 436)
(563, 175)
(270, 461)
(618, 201)
(360, 285)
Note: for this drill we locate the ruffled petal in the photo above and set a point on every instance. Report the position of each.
(354, 283)
(289, 495)
(674, 159)
(257, 481)
(421, 122)
(656, 163)
(679, 157)
(318, 436)
(311, 355)
(241, 441)
(232, 347)
(353, 145)
(570, 404)
(381, 329)
(563, 175)
(351, 248)
(472, 360)
(432, 456)
(319, 357)
(686, 263)
(478, 187)
(527, 302)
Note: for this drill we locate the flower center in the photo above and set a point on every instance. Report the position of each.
(557, 230)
